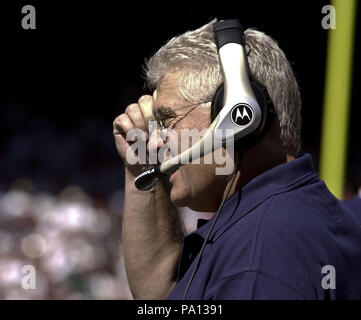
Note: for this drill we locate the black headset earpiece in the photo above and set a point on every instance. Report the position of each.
(217, 105)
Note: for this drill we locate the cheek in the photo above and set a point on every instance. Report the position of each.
(197, 183)
(174, 142)
(202, 119)
(199, 177)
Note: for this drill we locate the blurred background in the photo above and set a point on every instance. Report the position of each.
(62, 85)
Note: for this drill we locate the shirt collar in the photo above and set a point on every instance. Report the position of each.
(280, 179)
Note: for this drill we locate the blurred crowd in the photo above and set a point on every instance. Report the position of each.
(73, 243)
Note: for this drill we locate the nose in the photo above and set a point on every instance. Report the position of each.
(155, 141)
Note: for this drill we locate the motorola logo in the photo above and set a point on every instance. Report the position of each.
(242, 114)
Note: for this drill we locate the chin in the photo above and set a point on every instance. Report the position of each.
(182, 198)
(188, 193)
(179, 198)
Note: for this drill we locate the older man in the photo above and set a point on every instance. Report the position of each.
(280, 230)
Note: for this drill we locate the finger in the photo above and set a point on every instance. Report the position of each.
(135, 115)
(122, 144)
(146, 106)
(122, 124)
(155, 95)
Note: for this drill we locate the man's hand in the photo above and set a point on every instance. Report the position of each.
(137, 115)
(152, 232)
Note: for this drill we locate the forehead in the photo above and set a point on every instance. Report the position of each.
(168, 94)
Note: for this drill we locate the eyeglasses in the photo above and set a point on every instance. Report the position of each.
(163, 116)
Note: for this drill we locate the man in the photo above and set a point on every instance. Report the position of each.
(280, 229)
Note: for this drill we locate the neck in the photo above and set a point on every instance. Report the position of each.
(256, 160)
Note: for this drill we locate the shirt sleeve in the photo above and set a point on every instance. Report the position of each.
(254, 285)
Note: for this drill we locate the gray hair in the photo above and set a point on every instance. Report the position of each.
(194, 55)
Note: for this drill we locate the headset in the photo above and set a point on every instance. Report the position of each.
(238, 104)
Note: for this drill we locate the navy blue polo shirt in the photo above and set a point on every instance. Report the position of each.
(355, 206)
(272, 240)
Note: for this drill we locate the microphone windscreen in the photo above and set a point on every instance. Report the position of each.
(147, 179)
